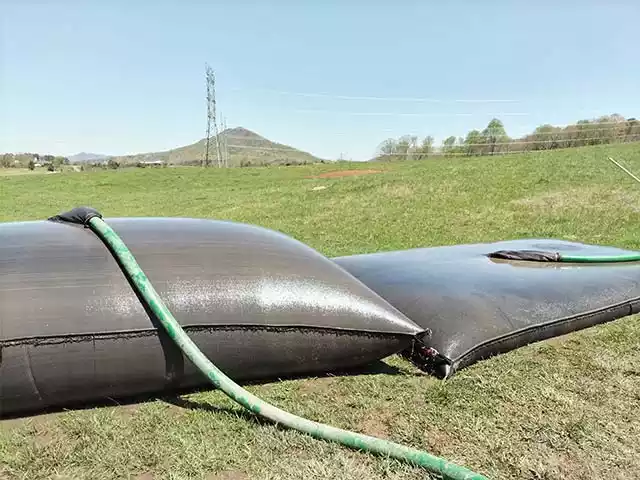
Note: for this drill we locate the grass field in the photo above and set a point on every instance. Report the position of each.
(6, 172)
(561, 409)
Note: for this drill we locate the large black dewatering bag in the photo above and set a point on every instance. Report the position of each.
(478, 306)
(259, 304)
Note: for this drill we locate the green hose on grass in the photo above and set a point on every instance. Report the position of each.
(252, 403)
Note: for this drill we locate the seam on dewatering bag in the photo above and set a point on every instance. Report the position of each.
(149, 332)
(116, 258)
(544, 326)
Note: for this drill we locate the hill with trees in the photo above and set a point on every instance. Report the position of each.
(84, 157)
(245, 148)
(493, 139)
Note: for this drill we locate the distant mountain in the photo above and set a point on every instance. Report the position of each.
(244, 148)
(83, 157)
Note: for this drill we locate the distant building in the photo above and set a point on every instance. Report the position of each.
(152, 163)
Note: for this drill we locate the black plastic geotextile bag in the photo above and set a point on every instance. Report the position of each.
(259, 304)
(477, 306)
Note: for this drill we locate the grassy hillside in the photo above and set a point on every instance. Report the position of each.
(560, 409)
(245, 148)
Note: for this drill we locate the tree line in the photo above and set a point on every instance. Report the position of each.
(31, 160)
(494, 139)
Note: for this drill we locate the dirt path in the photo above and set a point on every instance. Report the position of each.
(345, 173)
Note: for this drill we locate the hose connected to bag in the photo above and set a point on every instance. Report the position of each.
(252, 403)
(536, 256)
(629, 257)
(539, 256)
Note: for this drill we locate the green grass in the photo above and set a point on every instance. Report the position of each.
(6, 172)
(561, 409)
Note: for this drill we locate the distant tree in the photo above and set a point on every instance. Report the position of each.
(112, 164)
(48, 158)
(494, 139)
(388, 148)
(546, 137)
(426, 147)
(6, 160)
(31, 165)
(407, 147)
(611, 128)
(51, 167)
(495, 136)
(474, 143)
(632, 133)
(58, 161)
(448, 145)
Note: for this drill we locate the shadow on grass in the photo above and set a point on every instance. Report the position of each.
(238, 411)
(172, 396)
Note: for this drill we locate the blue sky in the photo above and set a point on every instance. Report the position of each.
(122, 77)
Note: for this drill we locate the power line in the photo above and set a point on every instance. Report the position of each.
(592, 122)
(514, 143)
(412, 114)
(574, 132)
(562, 134)
(619, 137)
(532, 133)
(378, 98)
(562, 138)
(463, 154)
(559, 140)
(441, 153)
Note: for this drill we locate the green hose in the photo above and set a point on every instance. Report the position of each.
(251, 402)
(540, 256)
(629, 257)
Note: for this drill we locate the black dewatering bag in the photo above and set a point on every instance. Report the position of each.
(477, 306)
(262, 305)
(259, 304)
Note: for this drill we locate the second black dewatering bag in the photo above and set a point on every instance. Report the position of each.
(478, 306)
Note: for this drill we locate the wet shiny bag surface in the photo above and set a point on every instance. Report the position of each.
(477, 306)
(258, 303)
